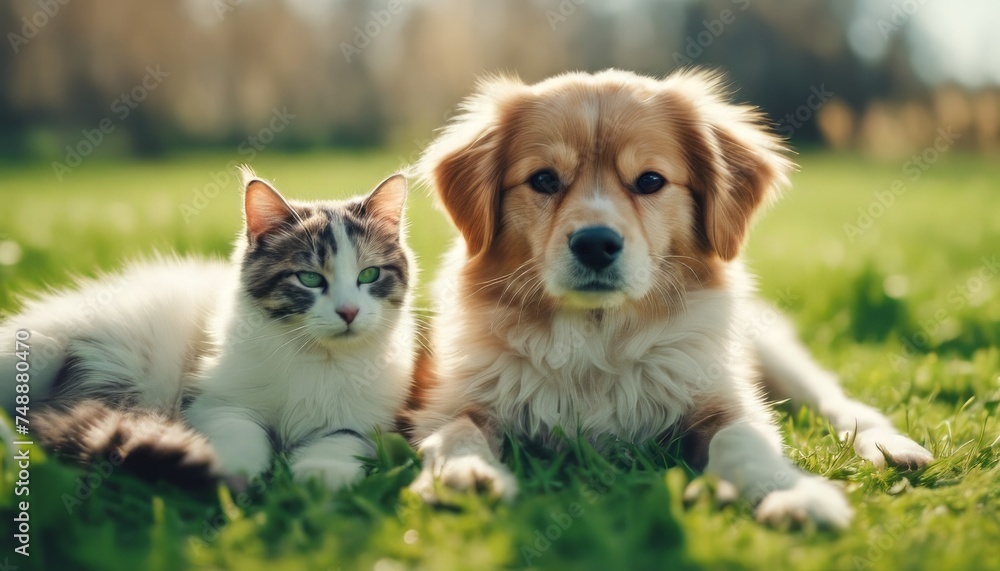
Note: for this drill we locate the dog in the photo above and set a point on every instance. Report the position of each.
(597, 289)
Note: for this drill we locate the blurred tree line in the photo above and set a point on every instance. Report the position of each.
(387, 72)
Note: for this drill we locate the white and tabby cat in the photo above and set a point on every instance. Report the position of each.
(303, 344)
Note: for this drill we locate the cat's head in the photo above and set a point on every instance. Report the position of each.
(334, 271)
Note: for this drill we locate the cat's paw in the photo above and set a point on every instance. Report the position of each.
(335, 474)
(882, 446)
(810, 500)
(468, 472)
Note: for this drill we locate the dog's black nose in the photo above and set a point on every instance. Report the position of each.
(596, 247)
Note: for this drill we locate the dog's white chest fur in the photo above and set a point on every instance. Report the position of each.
(592, 375)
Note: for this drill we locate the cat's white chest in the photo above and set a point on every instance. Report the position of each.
(298, 396)
(321, 395)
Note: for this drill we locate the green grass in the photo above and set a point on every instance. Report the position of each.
(908, 314)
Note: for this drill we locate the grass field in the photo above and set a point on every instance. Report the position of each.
(901, 298)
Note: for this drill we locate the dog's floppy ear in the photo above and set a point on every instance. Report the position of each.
(737, 165)
(464, 165)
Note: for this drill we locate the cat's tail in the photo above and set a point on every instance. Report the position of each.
(146, 444)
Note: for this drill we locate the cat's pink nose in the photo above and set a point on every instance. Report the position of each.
(347, 313)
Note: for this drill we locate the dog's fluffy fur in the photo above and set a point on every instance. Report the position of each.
(670, 341)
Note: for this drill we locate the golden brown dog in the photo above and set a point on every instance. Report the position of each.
(597, 289)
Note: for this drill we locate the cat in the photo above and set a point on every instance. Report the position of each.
(302, 344)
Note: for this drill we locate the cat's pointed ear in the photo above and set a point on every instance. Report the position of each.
(263, 207)
(387, 200)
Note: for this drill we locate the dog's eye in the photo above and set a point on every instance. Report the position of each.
(649, 182)
(545, 182)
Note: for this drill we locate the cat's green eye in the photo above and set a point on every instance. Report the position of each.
(310, 279)
(368, 275)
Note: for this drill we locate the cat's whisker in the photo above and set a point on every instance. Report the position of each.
(280, 347)
(273, 335)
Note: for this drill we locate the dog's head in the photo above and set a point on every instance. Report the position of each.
(606, 188)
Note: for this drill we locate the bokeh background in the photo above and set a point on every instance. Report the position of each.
(385, 73)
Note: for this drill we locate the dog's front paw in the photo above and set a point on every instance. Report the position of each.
(335, 474)
(882, 446)
(811, 499)
(468, 472)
